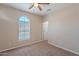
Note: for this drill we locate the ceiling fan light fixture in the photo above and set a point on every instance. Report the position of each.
(35, 4)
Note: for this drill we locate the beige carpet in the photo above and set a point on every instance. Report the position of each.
(38, 49)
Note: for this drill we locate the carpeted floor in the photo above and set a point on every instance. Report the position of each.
(38, 49)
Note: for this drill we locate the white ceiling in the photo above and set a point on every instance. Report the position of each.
(46, 8)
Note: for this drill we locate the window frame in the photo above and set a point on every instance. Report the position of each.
(25, 39)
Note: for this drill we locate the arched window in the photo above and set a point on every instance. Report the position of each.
(24, 28)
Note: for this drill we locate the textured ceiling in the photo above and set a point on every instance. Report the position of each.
(46, 8)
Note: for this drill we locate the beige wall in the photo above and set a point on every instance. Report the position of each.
(63, 29)
(9, 27)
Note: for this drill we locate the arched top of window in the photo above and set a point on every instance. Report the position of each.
(24, 19)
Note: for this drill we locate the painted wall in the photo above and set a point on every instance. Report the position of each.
(63, 28)
(9, 27)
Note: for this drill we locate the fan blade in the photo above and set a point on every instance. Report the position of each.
(39, 7)
(31, 7)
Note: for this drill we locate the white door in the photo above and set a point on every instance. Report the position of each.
(45, 30)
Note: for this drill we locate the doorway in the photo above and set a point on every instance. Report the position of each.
(45, 30)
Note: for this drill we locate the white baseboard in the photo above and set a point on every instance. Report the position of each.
(63, 48)
(21, 45)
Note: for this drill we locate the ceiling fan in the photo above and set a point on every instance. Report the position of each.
(38, 5)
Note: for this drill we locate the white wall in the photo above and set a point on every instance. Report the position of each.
(63, 28)
(9, 27)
